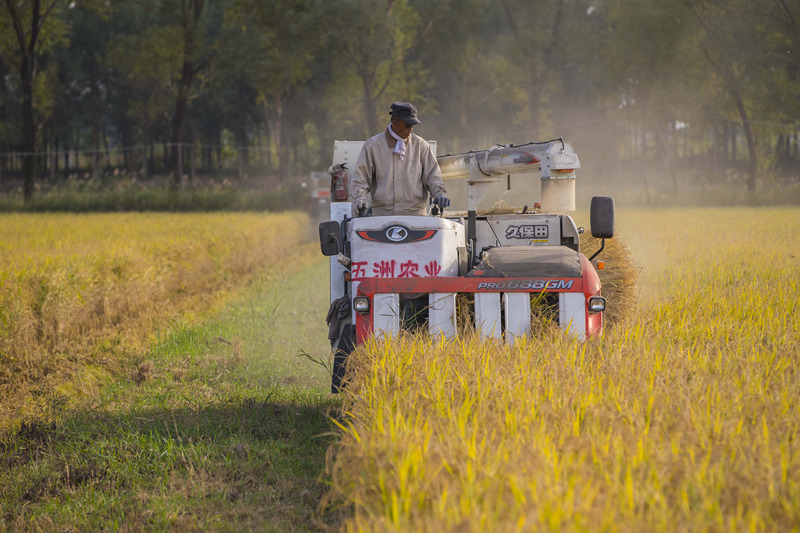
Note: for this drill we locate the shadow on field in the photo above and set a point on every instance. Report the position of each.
(255, 462)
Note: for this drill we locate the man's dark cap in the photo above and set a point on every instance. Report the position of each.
(405, 111)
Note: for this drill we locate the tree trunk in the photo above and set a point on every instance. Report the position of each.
(725, 143)
(95, 130)
(177, 135)
(535, 99)
(268, 143)
(219, 148)
(66, 161)
(106, 151)
(751, 142)
(144, 167)
(77, 147)
(140, 156)
(125, 161)
(242, 151)
(28, 129)
(190, 22)
(27, 74)
(464, 90)
(179, 149)
(539, 64)
(715, 152)
(53, 155)
(279, 135)
(370, 106)
(190, 156)
(191, 165)
(668, 157)
(259, 148)
(151, 165)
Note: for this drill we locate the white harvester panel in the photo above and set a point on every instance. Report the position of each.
(519, 230)
(487, 315)
(347, 152)
(442, 314)
(572, 313)
(339, 211)
(387, 314)
(404, 247)
(517, 314)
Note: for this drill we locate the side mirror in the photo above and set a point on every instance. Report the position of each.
(601, 217)
(330, 236)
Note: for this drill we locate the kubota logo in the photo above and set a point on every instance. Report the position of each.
(397, 233)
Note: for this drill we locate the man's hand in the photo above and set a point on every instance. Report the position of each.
(442, 201)
(361, 208)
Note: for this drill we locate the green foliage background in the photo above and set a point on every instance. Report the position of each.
(657, 95)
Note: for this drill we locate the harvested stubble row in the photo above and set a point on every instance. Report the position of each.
(684, 416)
(619, 280)
(82, 295)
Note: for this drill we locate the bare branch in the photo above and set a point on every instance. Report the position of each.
(386, 81)
(551, 46)
(36, 26)
(788, 13)
(424, 33)
(18, 27)
(510, 18)
(719, 65)
(46, 13)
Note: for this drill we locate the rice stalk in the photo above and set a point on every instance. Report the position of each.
(682, 416)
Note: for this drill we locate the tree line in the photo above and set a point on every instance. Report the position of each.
(701, 88)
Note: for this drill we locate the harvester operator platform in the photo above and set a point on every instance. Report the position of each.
(397, 169)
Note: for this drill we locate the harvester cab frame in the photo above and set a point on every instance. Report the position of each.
(391, 273)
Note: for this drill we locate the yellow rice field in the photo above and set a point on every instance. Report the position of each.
(81, 296)
(685, 416)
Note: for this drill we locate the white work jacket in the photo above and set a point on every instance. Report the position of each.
(395, 186)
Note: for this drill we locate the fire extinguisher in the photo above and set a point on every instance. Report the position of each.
(338, 182)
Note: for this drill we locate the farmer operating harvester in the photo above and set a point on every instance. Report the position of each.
(397, 169)
(395, 264)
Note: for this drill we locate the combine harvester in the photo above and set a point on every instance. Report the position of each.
(389, 273)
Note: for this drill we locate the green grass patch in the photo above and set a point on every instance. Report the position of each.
(223, 427)
(94, 196)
